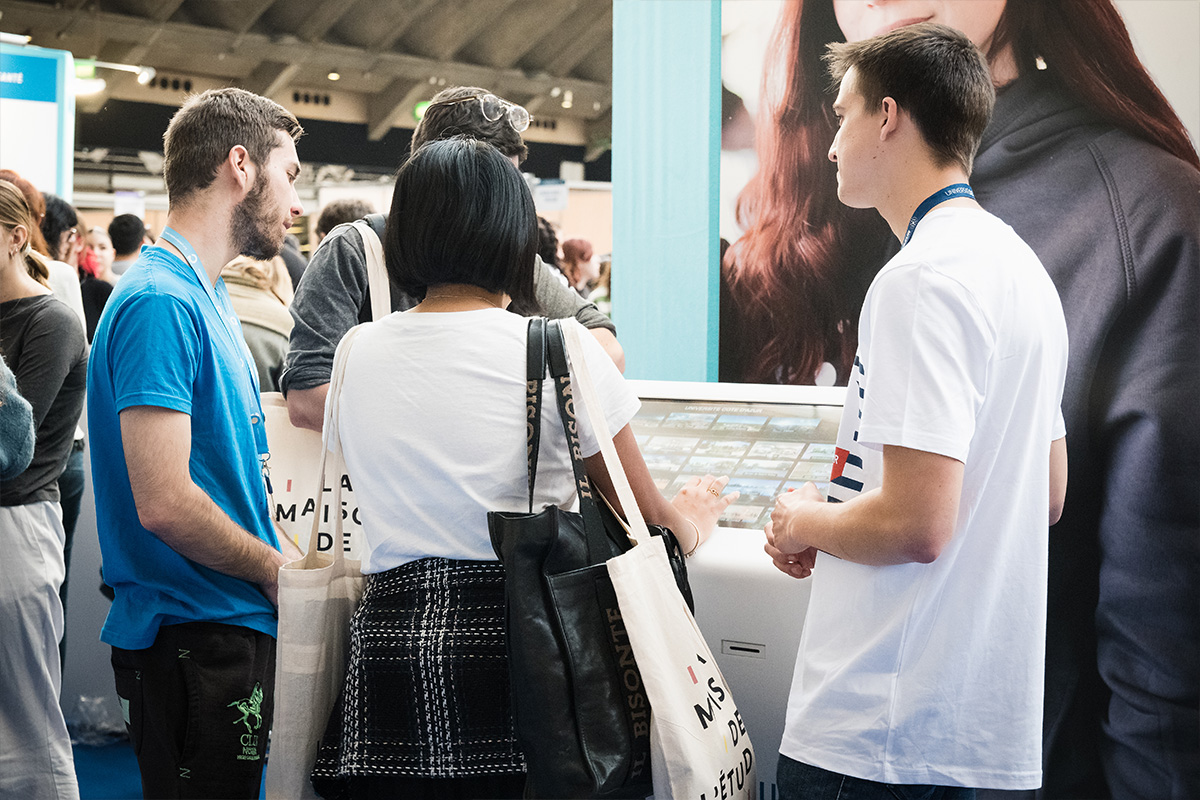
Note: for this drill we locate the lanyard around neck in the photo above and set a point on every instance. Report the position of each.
(193, 260)
(189, 255)
(235, 336)
(940, 196)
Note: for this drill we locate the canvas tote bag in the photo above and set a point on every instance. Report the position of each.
(317, 596)
(699, 747)
(296, 452)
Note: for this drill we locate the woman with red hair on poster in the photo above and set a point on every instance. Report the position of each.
(1090, 165)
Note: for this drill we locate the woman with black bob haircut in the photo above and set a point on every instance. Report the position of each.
(431, 417)
(436, 237)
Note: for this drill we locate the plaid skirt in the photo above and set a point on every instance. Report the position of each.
(426, 690)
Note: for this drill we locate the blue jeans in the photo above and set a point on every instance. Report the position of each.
(797, 781)
(70, 490)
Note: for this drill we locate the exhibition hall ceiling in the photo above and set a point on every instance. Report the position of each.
(553, 56)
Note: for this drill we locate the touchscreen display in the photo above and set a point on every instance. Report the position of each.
(764, 448)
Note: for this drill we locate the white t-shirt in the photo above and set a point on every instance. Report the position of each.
(932, 673)
(433, 429)
(64, 283)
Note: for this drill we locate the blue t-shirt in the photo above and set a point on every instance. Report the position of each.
(161, 342)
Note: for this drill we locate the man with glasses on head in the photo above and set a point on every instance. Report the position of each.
(333, 296)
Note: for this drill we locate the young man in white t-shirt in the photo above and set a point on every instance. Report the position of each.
(921, 660)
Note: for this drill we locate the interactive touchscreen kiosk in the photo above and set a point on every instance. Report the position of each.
(767, 439)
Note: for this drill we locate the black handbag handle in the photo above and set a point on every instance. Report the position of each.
(535, 372)
(545, 344)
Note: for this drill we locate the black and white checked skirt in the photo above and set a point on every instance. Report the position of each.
(426, 690)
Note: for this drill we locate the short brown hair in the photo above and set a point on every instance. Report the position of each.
(346, 209)
(932, 72)
(209, 125)
(444, 119)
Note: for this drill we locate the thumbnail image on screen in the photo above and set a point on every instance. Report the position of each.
(765, 449)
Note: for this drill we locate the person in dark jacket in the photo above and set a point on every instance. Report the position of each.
(1089, 164)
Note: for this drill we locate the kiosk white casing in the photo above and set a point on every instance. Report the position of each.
(751, 613)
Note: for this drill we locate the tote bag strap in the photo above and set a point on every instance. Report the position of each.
(331, 443)
(593, 524)
(535, 374)
(377, 278)
(591, 406)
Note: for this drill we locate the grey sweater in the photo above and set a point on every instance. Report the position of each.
(1116, 221)
(332, 298)
(44, 345)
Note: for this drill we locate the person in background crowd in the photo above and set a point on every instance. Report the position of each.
(259, 292)
(96, 276)
(428, 393)
(60, 226)
(43, 343)
(334, 296)
(63, 280)
(339, 212)
(178, 449)
(1089, 164)
(127, 232)
(294, 260)
(579, 264)
(101, 246)
(547, 242)
(16, 426)
(601, 293)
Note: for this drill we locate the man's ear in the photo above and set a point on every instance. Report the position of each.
(890, 122)
(240, 166)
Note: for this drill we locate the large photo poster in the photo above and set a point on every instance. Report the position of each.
(796, 263)
(1090, 156)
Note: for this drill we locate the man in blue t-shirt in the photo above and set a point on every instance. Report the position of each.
(178, 459)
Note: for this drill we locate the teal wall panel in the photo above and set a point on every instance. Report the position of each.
(666, 139)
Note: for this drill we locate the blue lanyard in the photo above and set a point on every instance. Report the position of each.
(224, 311)
(940, 196)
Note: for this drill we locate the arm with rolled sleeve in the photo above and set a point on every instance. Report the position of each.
(923, 386)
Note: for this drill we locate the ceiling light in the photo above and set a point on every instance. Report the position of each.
(86, 68)
(333, 76)
(568, 99)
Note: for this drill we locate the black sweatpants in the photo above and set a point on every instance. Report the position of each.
(198, 705)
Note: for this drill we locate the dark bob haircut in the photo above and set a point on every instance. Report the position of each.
(462, 213)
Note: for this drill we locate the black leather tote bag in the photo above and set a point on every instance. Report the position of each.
(580, 711)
